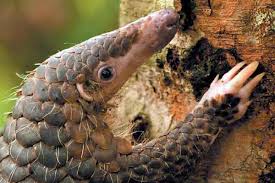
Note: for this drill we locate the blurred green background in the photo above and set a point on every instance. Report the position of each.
(32, 30)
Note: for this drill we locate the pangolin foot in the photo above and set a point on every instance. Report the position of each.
(235, 84)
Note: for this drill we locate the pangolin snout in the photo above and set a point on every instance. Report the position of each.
(170, 18)
(160, 28)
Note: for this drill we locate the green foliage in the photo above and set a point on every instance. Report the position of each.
(36, 29)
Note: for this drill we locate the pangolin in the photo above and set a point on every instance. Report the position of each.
(56, 132)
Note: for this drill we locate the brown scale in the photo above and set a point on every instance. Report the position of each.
(81, 151)
(80, 132)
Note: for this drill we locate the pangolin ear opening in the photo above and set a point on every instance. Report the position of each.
(83, 92)
(88, 90)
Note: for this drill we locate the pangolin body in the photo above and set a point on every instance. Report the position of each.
(56, 132)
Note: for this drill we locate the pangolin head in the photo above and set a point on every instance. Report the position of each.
(123, 51)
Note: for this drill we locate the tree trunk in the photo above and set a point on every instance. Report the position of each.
(214, 35)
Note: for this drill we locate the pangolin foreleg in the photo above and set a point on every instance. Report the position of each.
(173, 156)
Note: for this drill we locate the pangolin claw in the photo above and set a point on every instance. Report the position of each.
(235, 82)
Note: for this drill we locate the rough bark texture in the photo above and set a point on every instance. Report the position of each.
(214, 36)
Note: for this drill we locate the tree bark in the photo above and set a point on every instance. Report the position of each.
(214, 35)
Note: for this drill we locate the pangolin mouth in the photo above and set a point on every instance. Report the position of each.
(172, 26)
(173, 19)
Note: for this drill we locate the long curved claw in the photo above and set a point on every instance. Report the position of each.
(246, 91)
(230, 74)
(216, 79)
(238, 81)
(242, 107)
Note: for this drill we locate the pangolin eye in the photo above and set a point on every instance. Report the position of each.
(106, 73)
